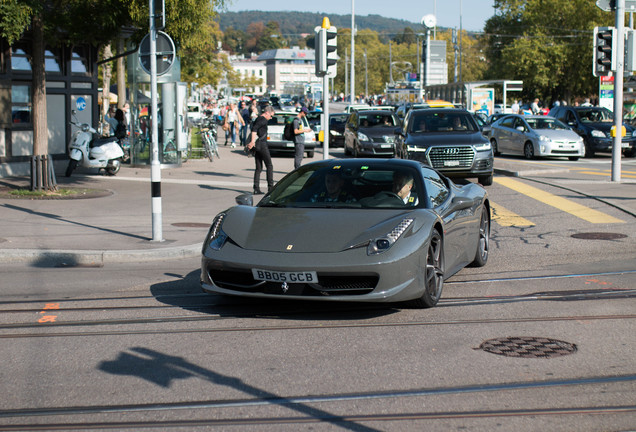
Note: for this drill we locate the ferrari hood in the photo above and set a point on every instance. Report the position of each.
(290, 230)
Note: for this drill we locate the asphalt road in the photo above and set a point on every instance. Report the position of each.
(137, 345)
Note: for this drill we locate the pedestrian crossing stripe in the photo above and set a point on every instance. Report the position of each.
(505, 217)
(582, 212)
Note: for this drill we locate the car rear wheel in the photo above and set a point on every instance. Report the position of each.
(433, 274)
(483, 245)
(310, 154)
(528, 150)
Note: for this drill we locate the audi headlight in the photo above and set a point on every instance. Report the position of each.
(381, 244)
(597, 134)
(389, 138)
(483, 146)
(216, 238)
(363, 137)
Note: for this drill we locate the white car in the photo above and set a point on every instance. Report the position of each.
(195, 113)
(535, 136)
(275, 129)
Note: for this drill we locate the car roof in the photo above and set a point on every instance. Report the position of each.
(374, 111)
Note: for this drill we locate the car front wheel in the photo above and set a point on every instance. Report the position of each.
(433, 273)
(483, 245)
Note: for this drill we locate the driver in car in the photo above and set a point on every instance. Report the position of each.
(403, 186)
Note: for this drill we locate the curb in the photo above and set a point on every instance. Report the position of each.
(524, 173)
(93, 257)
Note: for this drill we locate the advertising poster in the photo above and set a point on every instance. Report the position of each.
(483, 100)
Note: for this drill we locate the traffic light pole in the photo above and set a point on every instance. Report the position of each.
(325, 111)
(618, 91)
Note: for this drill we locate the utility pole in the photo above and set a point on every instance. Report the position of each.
(353, 53)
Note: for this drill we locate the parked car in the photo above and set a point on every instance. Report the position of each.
(535, 136)
(337, 124)
(449, 140)
(275, 128)
(370, 133)
(494, 117)
(367, 244)
(594, 124)
(314, 120)
(195, 113)
(357, 107)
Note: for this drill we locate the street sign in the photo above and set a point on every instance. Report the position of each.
(610, 5)
(165, 53)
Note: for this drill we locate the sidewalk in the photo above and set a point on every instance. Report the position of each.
(116, 223)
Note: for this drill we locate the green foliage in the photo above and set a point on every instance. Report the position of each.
(15, 16)
(545, 43)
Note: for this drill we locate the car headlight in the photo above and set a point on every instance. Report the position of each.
(216, 238)
(363, 137)
(381, 244)
(334, 133)
(543, 138)
(483, 146)
(389, 138)
(597, 134)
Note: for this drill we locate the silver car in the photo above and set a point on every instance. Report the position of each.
(535, 136)
(373, 230)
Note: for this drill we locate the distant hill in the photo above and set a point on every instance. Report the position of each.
(305, 22)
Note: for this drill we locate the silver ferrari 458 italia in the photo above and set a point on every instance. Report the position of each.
(372, 230)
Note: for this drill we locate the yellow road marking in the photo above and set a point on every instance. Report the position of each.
(608, 174)
(505, 217)
(585, 213)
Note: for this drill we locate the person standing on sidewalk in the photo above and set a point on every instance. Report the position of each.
(245, 114)
(258, 142)
(299, 136)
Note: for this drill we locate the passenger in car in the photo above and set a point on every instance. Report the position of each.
(334, 190)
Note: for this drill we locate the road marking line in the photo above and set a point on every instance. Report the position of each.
(608, 174)
(505, 217)
(582, 212)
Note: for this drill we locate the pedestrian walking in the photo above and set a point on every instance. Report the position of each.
(299, 137)
(233, 120)
(245, 114)
(258, 142)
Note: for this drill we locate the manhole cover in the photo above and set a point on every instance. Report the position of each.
(191, 225)
(528, 347)
(599, 236)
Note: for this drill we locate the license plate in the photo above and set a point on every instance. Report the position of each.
(289, 144)
(625, 145)
(281, 276)
(386, 145)
(451, 163)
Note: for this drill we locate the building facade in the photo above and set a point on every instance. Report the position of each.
(71, 84)
(289, 69)
(250, 69)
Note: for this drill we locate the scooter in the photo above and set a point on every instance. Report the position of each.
(89, 150)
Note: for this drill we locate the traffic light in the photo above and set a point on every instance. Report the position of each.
(326, 49)
(604, 50)
(332, 51)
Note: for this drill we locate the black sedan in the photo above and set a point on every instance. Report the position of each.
(372, 230)
(594, 124)
(449, 140)
(370, 133)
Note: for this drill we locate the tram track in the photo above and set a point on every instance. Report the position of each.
(316, 406)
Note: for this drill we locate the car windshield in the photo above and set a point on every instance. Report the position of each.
(349, 185)
(596, 115)
(546, 123)
(279, 119)
(338, 120)
(426, 121)
(377, 120)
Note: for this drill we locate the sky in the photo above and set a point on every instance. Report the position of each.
(474, 13)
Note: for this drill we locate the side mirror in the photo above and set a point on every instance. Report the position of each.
(461, 203)
(246, 199)
(398, 131)
(520, 128)
(486, 130)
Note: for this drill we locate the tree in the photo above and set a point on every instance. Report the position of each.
(545, 43)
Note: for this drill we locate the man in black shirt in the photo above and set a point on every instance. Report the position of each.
(258, 142)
